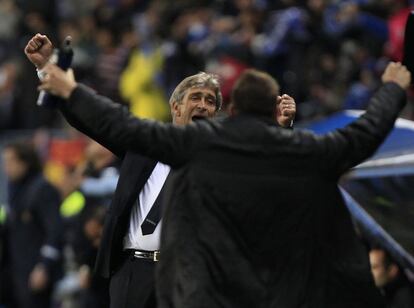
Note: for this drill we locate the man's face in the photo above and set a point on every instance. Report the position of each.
(197, 103)
(93, 230)
(378, 269)
(13, 167)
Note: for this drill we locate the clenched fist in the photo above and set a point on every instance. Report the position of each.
(398, 73)
(38, 50)
(286, 110)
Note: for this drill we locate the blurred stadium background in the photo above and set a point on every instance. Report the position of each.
(327, 54)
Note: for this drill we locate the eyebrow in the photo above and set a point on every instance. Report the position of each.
(201, 93)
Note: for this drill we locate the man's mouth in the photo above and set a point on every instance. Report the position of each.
(197, 117)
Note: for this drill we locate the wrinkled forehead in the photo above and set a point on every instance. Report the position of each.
(201, 90)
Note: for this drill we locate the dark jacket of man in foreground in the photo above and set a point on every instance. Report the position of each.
(255, 217)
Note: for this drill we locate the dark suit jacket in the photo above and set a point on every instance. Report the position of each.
(254, 216)
(134, 173)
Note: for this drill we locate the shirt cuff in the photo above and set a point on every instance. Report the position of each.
(40, 74)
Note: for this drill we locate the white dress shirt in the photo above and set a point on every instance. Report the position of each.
(134, 239)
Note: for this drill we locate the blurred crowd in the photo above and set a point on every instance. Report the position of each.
(327, 54)
(49, 234)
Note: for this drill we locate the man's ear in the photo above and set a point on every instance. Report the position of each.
(175, 107)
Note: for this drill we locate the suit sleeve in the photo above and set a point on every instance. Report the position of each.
(345, 148)
(89, 130)
(99, 116)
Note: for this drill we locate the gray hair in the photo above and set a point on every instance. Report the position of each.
(199, 80)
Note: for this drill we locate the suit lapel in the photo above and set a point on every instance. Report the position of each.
(135, 171)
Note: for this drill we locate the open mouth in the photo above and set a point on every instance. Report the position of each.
(197, 117)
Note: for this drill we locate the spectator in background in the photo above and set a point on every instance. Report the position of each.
(101, 173)
(181, 60)
(140, 83)
(94, 292)
(9, 19)
(34, 227)
(84, 231)
(83, 219)
(110, 62)
(360, 92)
(389, 277)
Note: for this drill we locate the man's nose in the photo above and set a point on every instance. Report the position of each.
(202, 105)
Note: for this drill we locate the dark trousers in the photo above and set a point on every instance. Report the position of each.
(133, 284)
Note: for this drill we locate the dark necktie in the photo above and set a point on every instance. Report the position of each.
(154, 215)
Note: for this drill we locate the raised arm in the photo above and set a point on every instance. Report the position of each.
(38, 50)
(349, 146)
(101, 117)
